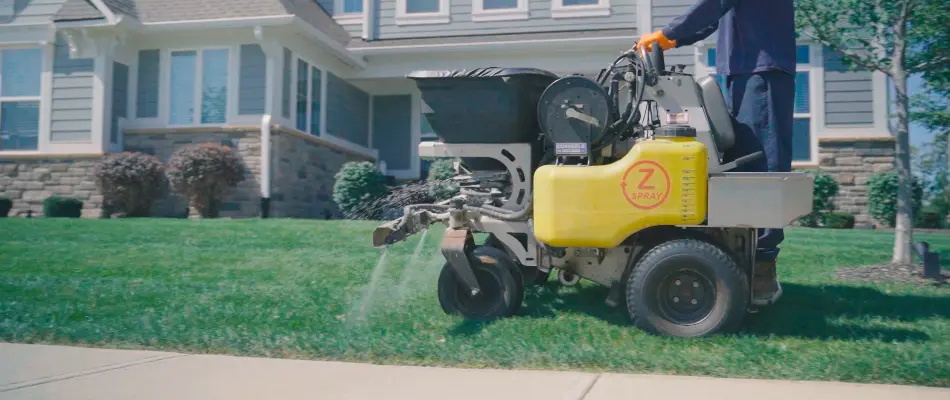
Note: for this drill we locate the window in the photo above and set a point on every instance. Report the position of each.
(307, 95)
(285, 84)
(415, 12)
(804, 142)
(20, 81)
(199, 87)
(348, 12)
(499, 10)
(579, 8)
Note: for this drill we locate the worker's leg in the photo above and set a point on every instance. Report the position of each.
(763, 105)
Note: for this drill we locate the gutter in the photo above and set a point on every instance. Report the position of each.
(512, 45)
(343, 53)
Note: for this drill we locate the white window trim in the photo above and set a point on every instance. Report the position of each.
(439, 17)
(559, 10)
(42, 130)
(816, 93)
(345, 18)
(230, 102)
(480, 14)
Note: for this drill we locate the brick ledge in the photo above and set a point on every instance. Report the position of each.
(320, 141)
(51, 156)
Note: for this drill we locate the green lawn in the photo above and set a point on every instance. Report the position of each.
(285, 288)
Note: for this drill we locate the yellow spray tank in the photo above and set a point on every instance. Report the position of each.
(661, 181)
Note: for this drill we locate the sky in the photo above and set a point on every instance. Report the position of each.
(918, 134)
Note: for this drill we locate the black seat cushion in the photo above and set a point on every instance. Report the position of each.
(720, 120)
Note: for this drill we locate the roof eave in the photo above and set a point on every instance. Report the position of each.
(508, 45)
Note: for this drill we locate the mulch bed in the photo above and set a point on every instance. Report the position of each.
(892, 273)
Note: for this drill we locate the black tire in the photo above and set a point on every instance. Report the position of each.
(487, 254)
(532, 275)
(501, 295)
(664, 283)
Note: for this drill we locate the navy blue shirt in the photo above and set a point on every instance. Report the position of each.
(754, 35)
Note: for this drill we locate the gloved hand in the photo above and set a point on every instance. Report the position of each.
(647, 40)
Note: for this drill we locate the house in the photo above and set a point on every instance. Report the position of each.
(301, 86)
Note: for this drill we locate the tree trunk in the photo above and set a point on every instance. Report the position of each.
(903, 226)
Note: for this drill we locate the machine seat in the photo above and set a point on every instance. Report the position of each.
(720, 120)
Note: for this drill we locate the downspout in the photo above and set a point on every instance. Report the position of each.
(265, 166)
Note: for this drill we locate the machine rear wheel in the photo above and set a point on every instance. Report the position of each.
(687, 288)
(501, 291)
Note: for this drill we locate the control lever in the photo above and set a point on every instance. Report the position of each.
(656, 56)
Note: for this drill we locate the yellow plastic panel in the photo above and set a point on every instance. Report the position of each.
(659, 182)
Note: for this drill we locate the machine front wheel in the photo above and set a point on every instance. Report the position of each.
(687, 288)
(502, 292)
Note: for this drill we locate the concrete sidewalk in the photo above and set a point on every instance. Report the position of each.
(56, 372)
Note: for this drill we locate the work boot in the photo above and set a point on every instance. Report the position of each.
(765, 286)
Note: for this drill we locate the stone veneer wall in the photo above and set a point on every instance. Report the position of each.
(30, 181)
(852, 162)
(303, 175)
(242, 201)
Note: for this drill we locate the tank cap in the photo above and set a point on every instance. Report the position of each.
(675, 131)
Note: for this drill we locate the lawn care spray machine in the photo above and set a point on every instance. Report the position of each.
(562, 177)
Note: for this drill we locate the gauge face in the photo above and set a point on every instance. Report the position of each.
(574, 109)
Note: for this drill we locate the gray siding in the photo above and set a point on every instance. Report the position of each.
(347, 111)
(72, 97)
(623, 15)
(392, 125)
(146, 99)
(120, 97)
(662, 12)
(848, 94)
(28, 12)
(253, 80)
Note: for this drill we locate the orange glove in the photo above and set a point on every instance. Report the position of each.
(647, 40)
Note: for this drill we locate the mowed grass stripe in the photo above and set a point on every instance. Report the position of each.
(287, 288)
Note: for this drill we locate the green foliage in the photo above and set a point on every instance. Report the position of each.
(931, 164)
(358, 189)
(825, 190)
(62, 207)
(930, 219)
(5, 206)
(440, 187)
(838, 220)
(131, 183)
(204, 174)
(882, 196)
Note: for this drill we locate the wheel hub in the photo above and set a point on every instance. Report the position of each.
(686, 296)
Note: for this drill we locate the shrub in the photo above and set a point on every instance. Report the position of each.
(838, 220)
(439, 188)
(204, 174)
(358, 188)
(882, 196)
(930, 219)
(825, 190)
(62, 207)
(5, 206)
(131, 183)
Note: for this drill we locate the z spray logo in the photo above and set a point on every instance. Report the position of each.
(646, 185)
